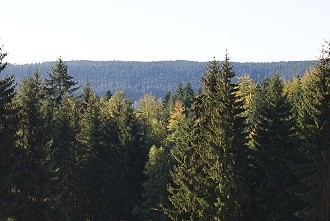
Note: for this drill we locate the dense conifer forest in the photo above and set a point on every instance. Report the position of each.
(156, 78)
(235, 148)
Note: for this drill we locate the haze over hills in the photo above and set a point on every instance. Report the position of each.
(137, 78)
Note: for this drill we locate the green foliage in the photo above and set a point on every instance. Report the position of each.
(247, 92)
(131, 157)
(65, 183)
(9, 153)
(315, 130)
(157, 78)
(68, 157)
(273, 142)
(207, 176)
(157, 172)
(60, 83)
(186, 193)
(151, 115)
(224, 145)
(33, 185)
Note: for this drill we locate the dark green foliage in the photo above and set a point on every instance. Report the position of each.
(157, 172)
(60, 83)
(208, 179)
(129, 156)
(9, 153)
(160, 163)
(69, 157)
(224, 147)
(33, 187)
(273, 143)
(90, 138)
(183, 94)
(315, 130)
(186, 192)
(65, 183)
(188, 95)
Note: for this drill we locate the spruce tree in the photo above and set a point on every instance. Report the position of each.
(159, 165)
(273, 143)
(9, 152)
(315, 130)
(60, 83)
(223, 149)
(65, 185)
(90, 142)
(208, 178)
(186, 191)
(34, 141)
(188, 96)
(131, 154)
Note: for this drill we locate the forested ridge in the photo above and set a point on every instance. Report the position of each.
(138, 78)
(236, 148)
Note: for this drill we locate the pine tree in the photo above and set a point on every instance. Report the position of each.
(33, 184)
(9, 152)
(314, 122)
(60, 83)
(273, 142)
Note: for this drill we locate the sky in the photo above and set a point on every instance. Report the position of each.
(152, 30)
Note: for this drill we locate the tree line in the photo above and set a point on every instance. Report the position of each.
(233, 150)
(139, 78)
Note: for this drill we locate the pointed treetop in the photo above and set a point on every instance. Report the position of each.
(2, 56)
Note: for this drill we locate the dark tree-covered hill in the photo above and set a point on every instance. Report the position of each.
(138, 78)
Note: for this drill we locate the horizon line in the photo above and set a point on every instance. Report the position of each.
(150, 61)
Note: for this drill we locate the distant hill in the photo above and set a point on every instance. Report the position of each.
(137, 78)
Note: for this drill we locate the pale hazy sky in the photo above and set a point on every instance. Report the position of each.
(149, 30)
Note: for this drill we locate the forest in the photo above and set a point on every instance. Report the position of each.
(156, 78)
(234, 149)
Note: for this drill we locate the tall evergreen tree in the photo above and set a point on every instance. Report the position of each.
(273, 142)
(9, 153)
(33, 185)
(65, 166)
(131, 157)
(90, 142)
(315, 127)
(159, 165)
(224, 148)
(60, 83)
(208, 178)
(186, 188)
